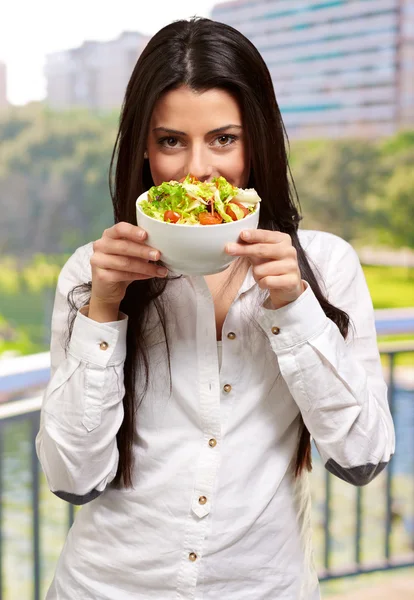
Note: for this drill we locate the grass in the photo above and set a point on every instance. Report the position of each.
(27, 310)
(390, 287)
(26, 301)
(405, 359)
(28, 314)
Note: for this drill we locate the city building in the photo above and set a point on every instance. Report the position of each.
(3, 86)
(339, 67)
(95, 75)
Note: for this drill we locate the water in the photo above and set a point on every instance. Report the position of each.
(403, 461)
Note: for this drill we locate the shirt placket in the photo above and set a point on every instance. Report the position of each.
(210, 452)
(231, 373)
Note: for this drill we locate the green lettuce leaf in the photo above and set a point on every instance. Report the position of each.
(226, 189)
(189, 199)
(220, 208)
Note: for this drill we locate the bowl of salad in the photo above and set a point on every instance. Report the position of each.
(190, 222)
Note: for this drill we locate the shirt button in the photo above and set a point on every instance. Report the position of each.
(276, 330)
(212, 443)
(202, 500)
(227, 388)
(103, 346)
(231, 335)
(192, 556)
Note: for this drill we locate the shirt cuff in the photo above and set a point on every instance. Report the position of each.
(294, 323)
(102, 344)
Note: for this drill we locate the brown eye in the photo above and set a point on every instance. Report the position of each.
(170, 142)
(223, 140)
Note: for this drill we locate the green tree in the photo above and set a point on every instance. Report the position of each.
(333, 179)
(54, 193)
(393, 210)
(391, 207)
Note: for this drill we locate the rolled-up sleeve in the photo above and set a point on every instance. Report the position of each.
(337, 384)
(82, 407)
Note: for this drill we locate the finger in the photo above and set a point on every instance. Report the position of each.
(108, 245)
(255, 251)
(111, 276)
(254, 236)
(125, 231)
(127, 264)
(275, 267)
(285, 284)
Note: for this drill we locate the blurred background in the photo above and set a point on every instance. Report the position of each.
(343, 72)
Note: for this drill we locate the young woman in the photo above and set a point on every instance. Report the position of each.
(180, 410)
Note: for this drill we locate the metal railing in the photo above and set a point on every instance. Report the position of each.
(388, 560)
(28, 412)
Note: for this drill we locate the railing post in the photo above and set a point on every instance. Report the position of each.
(388, 522)
(34, 421)
(29, 410)
(358, 532)
(2, 586)
(327, 521)
(71, 515)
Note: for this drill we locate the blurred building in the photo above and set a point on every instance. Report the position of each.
(339, 67)
(95, 75)
(3, 86)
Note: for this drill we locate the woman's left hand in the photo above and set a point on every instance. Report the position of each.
(274, 261)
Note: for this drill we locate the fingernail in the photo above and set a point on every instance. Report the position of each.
(162, 272)
(246, 235)
(231, 249)
(140, 235)
(153, 255)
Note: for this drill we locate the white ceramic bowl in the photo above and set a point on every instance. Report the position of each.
(194, 249)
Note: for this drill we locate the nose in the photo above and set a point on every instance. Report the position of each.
(199, 163)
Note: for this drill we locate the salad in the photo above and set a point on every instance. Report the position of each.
(194, 202)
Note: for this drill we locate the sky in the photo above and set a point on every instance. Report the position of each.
(30, 29)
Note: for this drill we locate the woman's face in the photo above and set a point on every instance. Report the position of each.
(197, 133)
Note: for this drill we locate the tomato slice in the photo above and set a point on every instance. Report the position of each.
(208, 219)
(171, 216)
(244, 209)
(232, 214)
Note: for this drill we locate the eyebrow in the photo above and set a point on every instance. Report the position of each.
(218, 130)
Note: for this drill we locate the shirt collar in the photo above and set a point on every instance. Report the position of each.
(248, 282)
(199, 284)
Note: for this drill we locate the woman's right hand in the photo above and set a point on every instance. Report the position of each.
(119, 257)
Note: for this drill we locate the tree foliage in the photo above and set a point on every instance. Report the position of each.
(333, 180)
(54, 193)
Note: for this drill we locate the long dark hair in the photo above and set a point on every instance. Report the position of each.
(201, 54)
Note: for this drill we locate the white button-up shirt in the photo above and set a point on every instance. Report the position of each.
(215, 511)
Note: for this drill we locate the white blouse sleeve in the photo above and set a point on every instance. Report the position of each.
(82, 407)
(338, 385)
